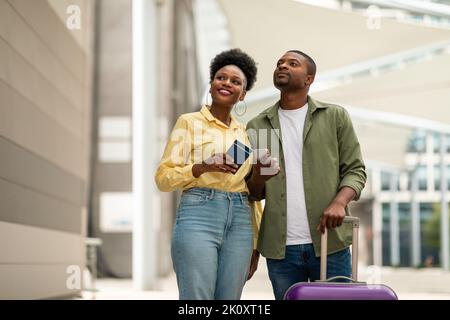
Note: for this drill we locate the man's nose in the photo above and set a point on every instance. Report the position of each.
(282, 66)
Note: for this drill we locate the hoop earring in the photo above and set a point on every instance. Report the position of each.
(240, 114)
(207, 102)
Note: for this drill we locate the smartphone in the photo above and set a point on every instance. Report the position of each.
(239, 152)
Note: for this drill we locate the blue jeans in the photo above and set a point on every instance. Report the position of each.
(301, 264)
(212, 244)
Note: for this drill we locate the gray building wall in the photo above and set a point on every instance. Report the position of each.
(45, 81)
(178, 91)
(113, 100)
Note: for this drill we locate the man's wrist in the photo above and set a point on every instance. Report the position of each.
(257, 180)
(340, 203)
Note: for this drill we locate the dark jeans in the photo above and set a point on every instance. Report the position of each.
(300, 265)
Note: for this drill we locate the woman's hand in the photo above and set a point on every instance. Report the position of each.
(219, 162)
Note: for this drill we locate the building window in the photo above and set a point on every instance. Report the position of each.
(115, 212)
(114, 139)
(417, 142)
(437, 177)
(429, 233)
(437, 142)
(422, 177)
(404, 215)
(386, 181)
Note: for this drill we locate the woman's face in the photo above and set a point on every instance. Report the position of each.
(228, 86)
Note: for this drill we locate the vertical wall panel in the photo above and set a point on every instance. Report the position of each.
(45, 111)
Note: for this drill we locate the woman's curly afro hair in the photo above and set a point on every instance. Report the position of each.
(238, 58)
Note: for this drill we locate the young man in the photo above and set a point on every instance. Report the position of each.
(321, 172)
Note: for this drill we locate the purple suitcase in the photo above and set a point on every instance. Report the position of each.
(326, 289)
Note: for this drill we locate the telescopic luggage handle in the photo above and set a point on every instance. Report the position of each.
(324, 249)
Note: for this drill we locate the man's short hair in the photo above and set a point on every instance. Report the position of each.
(311, 64)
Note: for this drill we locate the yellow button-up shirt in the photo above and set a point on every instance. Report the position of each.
(195, 137)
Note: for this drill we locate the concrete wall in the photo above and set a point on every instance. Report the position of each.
(45, 94)
(113, 99)
(177, 92)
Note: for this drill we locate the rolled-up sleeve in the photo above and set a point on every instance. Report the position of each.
(175, 168)
(351, 165)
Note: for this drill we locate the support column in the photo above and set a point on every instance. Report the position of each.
(444, 207)
(377, 220)
(395, 229)
(145, 153)
(415, 220)
(430, 161)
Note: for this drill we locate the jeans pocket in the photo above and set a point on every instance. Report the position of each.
(193, 199)
(189, 202)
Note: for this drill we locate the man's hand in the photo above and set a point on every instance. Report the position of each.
(253, 264)
(265, 168)
(219, 162)
(332, 217)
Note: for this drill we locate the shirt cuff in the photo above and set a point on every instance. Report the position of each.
(186, 173)
(355, 186)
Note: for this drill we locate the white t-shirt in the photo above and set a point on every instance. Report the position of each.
(292, 123)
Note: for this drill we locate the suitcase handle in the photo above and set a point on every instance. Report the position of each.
(324, 249)
(340, 277)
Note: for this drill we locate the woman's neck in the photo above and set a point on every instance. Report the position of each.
(221, 113)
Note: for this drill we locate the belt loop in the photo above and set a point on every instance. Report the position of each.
(211, 195)
(242, 198)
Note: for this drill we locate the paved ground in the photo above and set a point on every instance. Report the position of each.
(409, 284)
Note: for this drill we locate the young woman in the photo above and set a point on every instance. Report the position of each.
(213, 236)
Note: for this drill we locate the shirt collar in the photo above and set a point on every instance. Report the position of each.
(208, 116)
(313, 105)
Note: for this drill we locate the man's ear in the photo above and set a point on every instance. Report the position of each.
(309, 79)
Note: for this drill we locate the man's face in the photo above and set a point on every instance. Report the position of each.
(291, 72)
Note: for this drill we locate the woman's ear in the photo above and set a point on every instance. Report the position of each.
(242, 97)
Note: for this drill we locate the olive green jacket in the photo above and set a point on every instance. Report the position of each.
(331, 160)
